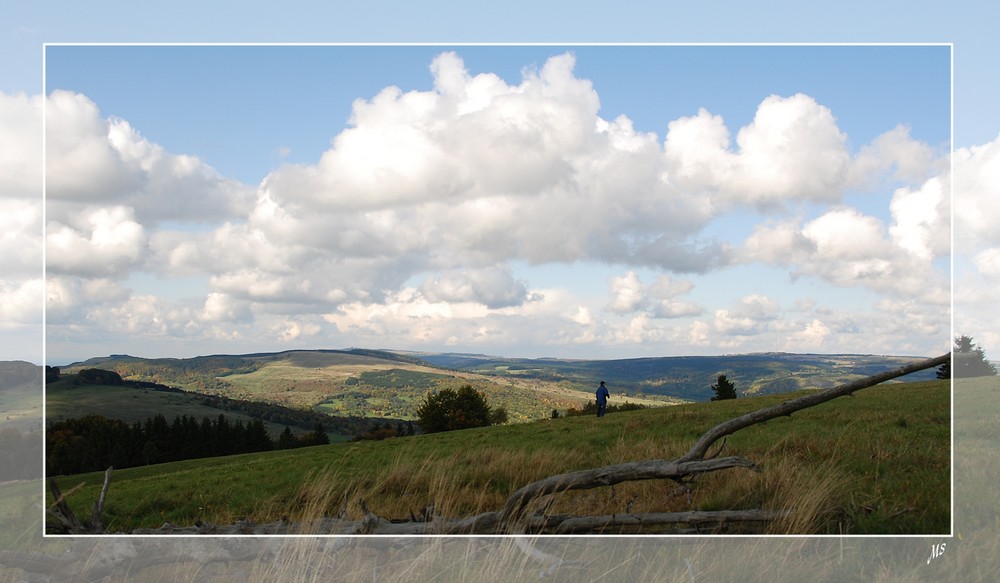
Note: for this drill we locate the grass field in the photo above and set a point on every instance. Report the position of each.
(877, 462)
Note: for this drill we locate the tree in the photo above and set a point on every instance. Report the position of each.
(498, 416)
(449, 409)
(724, 389)
(287, 439)
(970, 361)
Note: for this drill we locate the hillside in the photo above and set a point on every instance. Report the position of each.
(362, 383)
(687, 377)
(390, 384)
(849, 466)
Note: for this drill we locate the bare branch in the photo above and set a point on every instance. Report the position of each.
(787, 408)
(614, 474)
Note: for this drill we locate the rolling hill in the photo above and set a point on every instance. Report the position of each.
(384, 384)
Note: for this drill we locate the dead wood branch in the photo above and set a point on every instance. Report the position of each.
(60, 510)
(96, 522)
(69, 523)
(614, 474)
(787, 408)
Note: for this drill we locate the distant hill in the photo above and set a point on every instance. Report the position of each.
(365, 383)
(389, 384)
(688, 377)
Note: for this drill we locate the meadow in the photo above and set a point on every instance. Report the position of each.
(875, 463)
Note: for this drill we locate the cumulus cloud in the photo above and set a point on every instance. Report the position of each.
(21, 302)
(20, 237)
(848, 248)
(895, 150)
(659, 299)
(92, 160)
(494, 288)
(976, 180)
(793, 150)
(749, 317)
(104, 241)
(921, 220)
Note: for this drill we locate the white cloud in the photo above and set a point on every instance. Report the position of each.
(976, 183)
(20, 237)
(988, 262)
(93, 161)
(220, 307)
(847, 248)
(921, 220)
(910, 160)
(104, 241)
(749, 317)
(659, 299)
(793, 150)
(21, 302)
(628, 294)
(20, 146)
(813, 336)
(493, 287)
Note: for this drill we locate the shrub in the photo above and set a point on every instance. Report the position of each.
(449, 409)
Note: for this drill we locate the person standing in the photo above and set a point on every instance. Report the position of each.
(602, 400)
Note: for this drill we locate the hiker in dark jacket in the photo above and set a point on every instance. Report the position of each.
(602, 400)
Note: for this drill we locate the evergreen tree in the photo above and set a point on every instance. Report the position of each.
(286, 440)
(724, 389)
(319, 436)
(969, 360)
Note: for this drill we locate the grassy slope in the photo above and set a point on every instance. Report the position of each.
(874, 463)
(366, 386)
(64, 400)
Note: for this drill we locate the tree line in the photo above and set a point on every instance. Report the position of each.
(94, 443)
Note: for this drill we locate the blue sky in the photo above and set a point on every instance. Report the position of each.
(192, 99)
(866, 95)
(663, 254)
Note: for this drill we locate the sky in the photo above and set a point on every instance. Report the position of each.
(531, 201)
(205, 199)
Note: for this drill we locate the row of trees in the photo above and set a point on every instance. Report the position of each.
(94, 442)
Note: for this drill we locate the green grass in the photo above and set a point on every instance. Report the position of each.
(877, 462)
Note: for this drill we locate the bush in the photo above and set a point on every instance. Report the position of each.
(449, 409)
